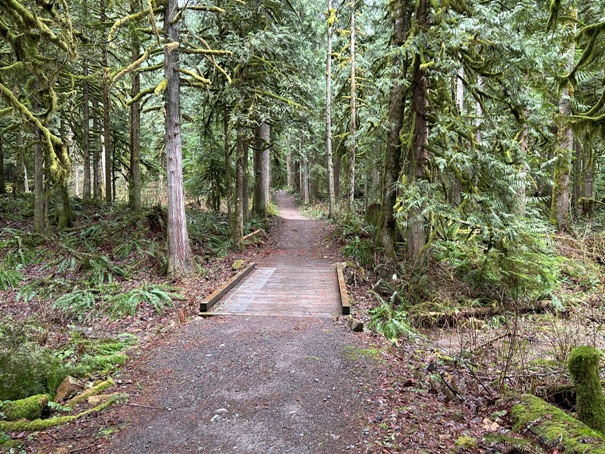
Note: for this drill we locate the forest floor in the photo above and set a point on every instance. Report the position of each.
(283, 384)
(303, 384)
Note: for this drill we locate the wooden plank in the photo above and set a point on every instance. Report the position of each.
(342, 287)
(222, 291)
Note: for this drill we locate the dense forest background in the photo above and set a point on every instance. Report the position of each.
(457, 145)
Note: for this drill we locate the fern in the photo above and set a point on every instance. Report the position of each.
(389, 320)
(16, 253)
(156, 296)
(103, 270)
(9, 278)
(78, 305)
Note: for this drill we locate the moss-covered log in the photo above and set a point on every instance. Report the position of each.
(28, 408)
(583, 367)
(90, 392)
(43, 424)
(555, 428)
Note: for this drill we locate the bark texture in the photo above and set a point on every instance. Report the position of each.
(86, 193)
(106, 111)
(134, 183)
(387, 228)
(240, 193)
(353, 122)
(262, 169)
(331, 190)
(2, 181)
(416, 234)
(179, 253)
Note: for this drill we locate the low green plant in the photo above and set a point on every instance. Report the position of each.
(9, 278)
(361, 250)
(389, 319)
(26, 367)
(77, 305)
(157, 296)
(18, 247)
(83, 356)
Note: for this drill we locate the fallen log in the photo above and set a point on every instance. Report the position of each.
(460, 317)
(554, 428)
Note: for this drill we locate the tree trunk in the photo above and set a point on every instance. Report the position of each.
(387, 228)
(39, 199)
(262, 170)
(331, 190)
(106, 110)
(96, 164)
(228, 175)
(85, 132)
(240, 194)
(179, 253)
(416, 234)
(296, 171)
(2, 180)
(559, 211)
(134, 186)
(588, 193)
(21, 182)
(289, 169)
(337, 162)
(353, 124)
(246, 181)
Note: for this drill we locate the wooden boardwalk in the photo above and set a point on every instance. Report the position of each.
(294, 280)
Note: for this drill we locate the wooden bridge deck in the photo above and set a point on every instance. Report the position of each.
(303, 291)
(295, 279)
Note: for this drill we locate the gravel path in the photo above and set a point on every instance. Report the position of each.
(252, 384)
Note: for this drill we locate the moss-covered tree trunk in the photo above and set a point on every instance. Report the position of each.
(387, 229)
(560, 199)
(134, 180)
(86, 192)
(2, 180)
(21, 184)
(416, 232)
(330, 164)
(353, 121)
(96, 162)
(40, 222)
(106, 109)
(583, 367)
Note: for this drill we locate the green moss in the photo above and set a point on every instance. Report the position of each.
(43, 424)
(555, 427)
(91, 392)
(238, 264)
(583, 365)
(29, 408)
(8, 444)
(355, 353)
(467, 442)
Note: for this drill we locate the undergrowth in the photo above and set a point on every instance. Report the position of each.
(28, 366)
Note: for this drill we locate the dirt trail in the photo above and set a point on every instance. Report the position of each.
(252, 384)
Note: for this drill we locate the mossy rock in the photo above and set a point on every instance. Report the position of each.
(29, 408)
(583, 365)
(238, 264)
(554, 427)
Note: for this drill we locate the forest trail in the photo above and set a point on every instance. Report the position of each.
(255, 384)
(295, 279)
